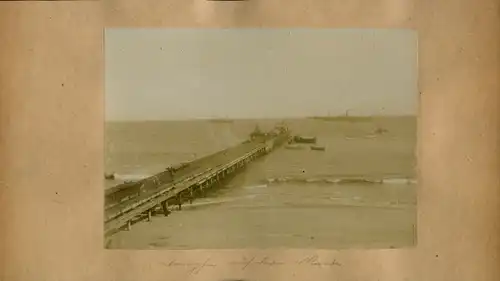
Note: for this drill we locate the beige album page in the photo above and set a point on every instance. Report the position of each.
(249, 140)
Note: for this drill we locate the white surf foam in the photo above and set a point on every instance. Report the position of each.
(347, 180)
(256, 186)
(131, 177)
(397, 181)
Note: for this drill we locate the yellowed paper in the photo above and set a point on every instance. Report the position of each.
(52, 149)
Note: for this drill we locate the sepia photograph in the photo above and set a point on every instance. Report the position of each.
(260, 138)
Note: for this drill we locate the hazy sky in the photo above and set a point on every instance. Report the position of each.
(154, 74)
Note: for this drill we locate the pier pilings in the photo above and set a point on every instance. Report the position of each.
(128, 203)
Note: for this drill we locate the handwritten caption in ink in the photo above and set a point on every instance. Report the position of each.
(247, 262)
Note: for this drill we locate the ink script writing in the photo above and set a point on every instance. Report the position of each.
(265, 261)
(246, 262)
(191, 267)
(316, 261)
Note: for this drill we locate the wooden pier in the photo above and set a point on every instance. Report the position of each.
(130, 202)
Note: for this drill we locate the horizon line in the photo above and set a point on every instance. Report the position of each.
(264, 118)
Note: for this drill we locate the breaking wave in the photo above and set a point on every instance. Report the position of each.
(130, 177)
(255, 186)
(359, 180)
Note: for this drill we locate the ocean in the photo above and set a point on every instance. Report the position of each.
(360, 192)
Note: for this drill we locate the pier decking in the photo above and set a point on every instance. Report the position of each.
(128, 202)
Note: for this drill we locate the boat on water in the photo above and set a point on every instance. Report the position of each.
(317, 147)
(380, 131)
(304, 139)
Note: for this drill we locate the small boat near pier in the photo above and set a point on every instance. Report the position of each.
(318, 147)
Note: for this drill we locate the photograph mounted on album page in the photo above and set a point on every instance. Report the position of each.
(249, 140)
(260, 138)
